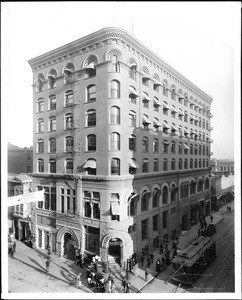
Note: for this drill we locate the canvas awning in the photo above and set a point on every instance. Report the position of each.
(146, 97)
(133, 163)
(165, 106)
(91, 163)
(146, 120)
(133, 91)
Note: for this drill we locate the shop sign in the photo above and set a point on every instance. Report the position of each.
(26, 198)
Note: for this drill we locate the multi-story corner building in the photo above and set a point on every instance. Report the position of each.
(20, 160)
(121, 147)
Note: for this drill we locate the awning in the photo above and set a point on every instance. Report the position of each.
(191, 117)
(165, 106)
(133, 164)
(165, 142)
(195, 118)
(157, 124)
(115, 208)
(181, 97)
(173, 109)
(174, 128)
(146, 76)
(90, 66)
(145, 120)
(132, 65)
(156, 82)
(186, 131)
(146, 97)
(186, 147)
(91, 163)
(156, 103)
(133, 91)
(181, 113)
(166, 126)
(51, 75)
(191, 103)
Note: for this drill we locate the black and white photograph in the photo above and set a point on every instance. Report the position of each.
(121, 150)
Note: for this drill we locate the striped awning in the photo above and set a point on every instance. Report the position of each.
(146, 120)
(157, 103)
(133, 164)
(181, 113)
(146, 97)
(165, 106)
(133, 91)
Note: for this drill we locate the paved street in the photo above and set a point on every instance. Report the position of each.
(27, 271)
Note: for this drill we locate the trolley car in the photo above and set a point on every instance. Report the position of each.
(193, 259)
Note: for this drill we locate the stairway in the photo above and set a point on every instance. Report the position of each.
(115, 268)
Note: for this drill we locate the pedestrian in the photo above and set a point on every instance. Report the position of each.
(163, 260)
(128, 287)
(12, 251)
(130, 265)
(78, 280)
(161, 248)
(158, 265)
(174, 253)
(205, 224)
(47, 265)
(124, 285)
(152, 258)
(211, 218)
(146, 274)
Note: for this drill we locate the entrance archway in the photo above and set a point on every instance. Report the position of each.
(67, 241)
(114, 249)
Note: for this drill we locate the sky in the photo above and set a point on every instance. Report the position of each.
(201, 40)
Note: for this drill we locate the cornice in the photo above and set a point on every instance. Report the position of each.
(96, 39)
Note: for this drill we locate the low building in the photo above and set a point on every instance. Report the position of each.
(222, 190)
(19, 216)
(20, 160)
(222, 166)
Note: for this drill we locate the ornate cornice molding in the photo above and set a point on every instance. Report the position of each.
(106, 35)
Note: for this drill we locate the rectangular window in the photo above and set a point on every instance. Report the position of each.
(144, 229)
(156, 243)
(155, 222)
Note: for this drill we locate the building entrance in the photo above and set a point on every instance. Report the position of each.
(185, 223)
(68, 246)
(114, 249)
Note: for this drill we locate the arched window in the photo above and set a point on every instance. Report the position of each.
(69, 98)
(52, 165)
(185, 164)
(91, 142)
(40, 125)
(145, 100)
(200, 163)
(156, 104)
(155, 145)
(91, 66)
(206, 185)
(200, 185)
(174, 191)
(186, 148)
(204, 150)
(91, 118)
(114, 115)
(69, 166)
(173, 164)
(52, 124)
(91, 93)
(191, 163)
(180, 148)
(132, 143)
(156, 197)
(69, 143)
(173, 147)
(195, 149)
(203, 124)
(52, 102)
(40, 146)
(133, 94)
(204, 163)
(52, 145)
(195, 163)
(115, 166)
(193, 187)
(156, 165)
(173, 94)
(90, 166)
(114, 67)
(145, 201)
(114, 89)
(191, 149)
(68, 71)
(145, 165)
(157, 84)
(165, 146)
(165, 195)
(207, 163)
(132, 70)
(165, 164)
(132, 119)
(40, 105)
(145, 144)
(132, 205)
(51, 77)
(145, 76)
(165, 108)
(180, 164)
(114, 141)
(164, 88)
(68, 121)
(40, 165)
(39, 82)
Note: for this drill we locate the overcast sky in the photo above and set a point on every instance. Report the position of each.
(198, 39)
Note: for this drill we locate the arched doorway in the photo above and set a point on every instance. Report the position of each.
(114, 249)
(185, 222)
(68, 244)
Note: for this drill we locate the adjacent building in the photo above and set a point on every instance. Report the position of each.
(121, 148)
(20, 160)
(222, 166)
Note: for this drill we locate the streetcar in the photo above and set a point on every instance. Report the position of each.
(193, 259)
